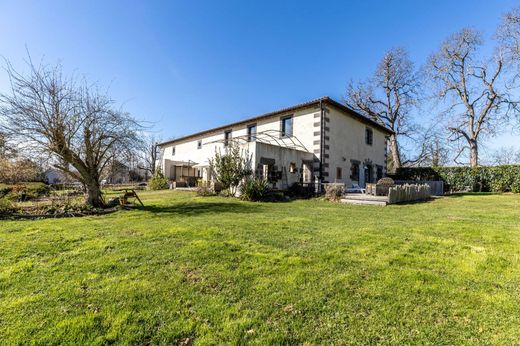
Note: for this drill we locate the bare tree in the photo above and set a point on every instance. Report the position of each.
(388, 98)
(436, 153)
(505, 156)
(18, 170)
(474, 90)
(434, 149)
(69, 120)
(149, 154)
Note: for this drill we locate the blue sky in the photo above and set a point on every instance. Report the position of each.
(190, 65)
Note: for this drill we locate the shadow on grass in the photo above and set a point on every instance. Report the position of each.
(462, 194)
(194, 208)
(420, 201)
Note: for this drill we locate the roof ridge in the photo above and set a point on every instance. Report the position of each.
(277, 111)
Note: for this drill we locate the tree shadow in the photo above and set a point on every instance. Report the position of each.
(462, 194)
(420, 201)
(194, 208)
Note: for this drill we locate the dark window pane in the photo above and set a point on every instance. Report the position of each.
(354, 171)
(251, 133)
(287, 127)
(227, 137)
(379, 172)
(369, 136)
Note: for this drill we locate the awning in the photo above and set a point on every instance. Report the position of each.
(201, 165)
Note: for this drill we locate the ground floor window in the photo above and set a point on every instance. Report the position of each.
(339, 173)
(379, 172)
(354, 170)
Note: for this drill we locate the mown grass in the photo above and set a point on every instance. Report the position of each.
(211, 270)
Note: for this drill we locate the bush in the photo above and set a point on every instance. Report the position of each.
(5, 189)
(158, 181)
(479, 179)
(334, 192)
(6, 207)
(35, 190)
(253, 189)
(225, 193)
(231, 167)
(69, 207)
(205, 191)
(386, 181)
(25, 191)
(300, 191)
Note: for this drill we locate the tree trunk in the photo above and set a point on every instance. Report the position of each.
(94, 195)
(473, 158)
(394, 152)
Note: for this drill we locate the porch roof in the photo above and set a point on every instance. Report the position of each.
(188, 163)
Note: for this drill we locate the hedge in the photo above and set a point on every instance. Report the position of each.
(478, 179)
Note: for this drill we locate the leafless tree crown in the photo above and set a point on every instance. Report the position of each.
(69, 119)
(388, 97)
(473, 89)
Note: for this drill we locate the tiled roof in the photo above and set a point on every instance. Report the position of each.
(315, 102)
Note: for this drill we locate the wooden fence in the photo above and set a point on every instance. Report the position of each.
(408, 193)
(436, 186)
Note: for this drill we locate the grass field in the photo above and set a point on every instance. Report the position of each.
(204, 271)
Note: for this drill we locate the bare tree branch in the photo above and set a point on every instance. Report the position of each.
(388, 98)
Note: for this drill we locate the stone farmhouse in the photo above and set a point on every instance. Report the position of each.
(319, 141)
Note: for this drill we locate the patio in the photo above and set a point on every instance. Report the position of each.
(365, 199)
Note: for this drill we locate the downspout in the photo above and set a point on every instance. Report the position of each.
(322, 141)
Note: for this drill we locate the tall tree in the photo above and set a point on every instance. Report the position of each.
(148, 154)
(68, 119)
(388, 97)
(473, 89)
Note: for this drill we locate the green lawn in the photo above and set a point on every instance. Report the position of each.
(204, 271)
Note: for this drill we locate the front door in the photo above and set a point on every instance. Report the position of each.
(368, 174)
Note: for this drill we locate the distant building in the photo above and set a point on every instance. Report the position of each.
(55, 176)
(117, 173)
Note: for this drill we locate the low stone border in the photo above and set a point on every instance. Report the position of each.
(21, 216)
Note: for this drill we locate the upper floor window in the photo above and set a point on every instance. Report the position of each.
(251, 133)
(199, 144)
(227, 137)
(287, 126)
(173, 151)
(369, 136)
